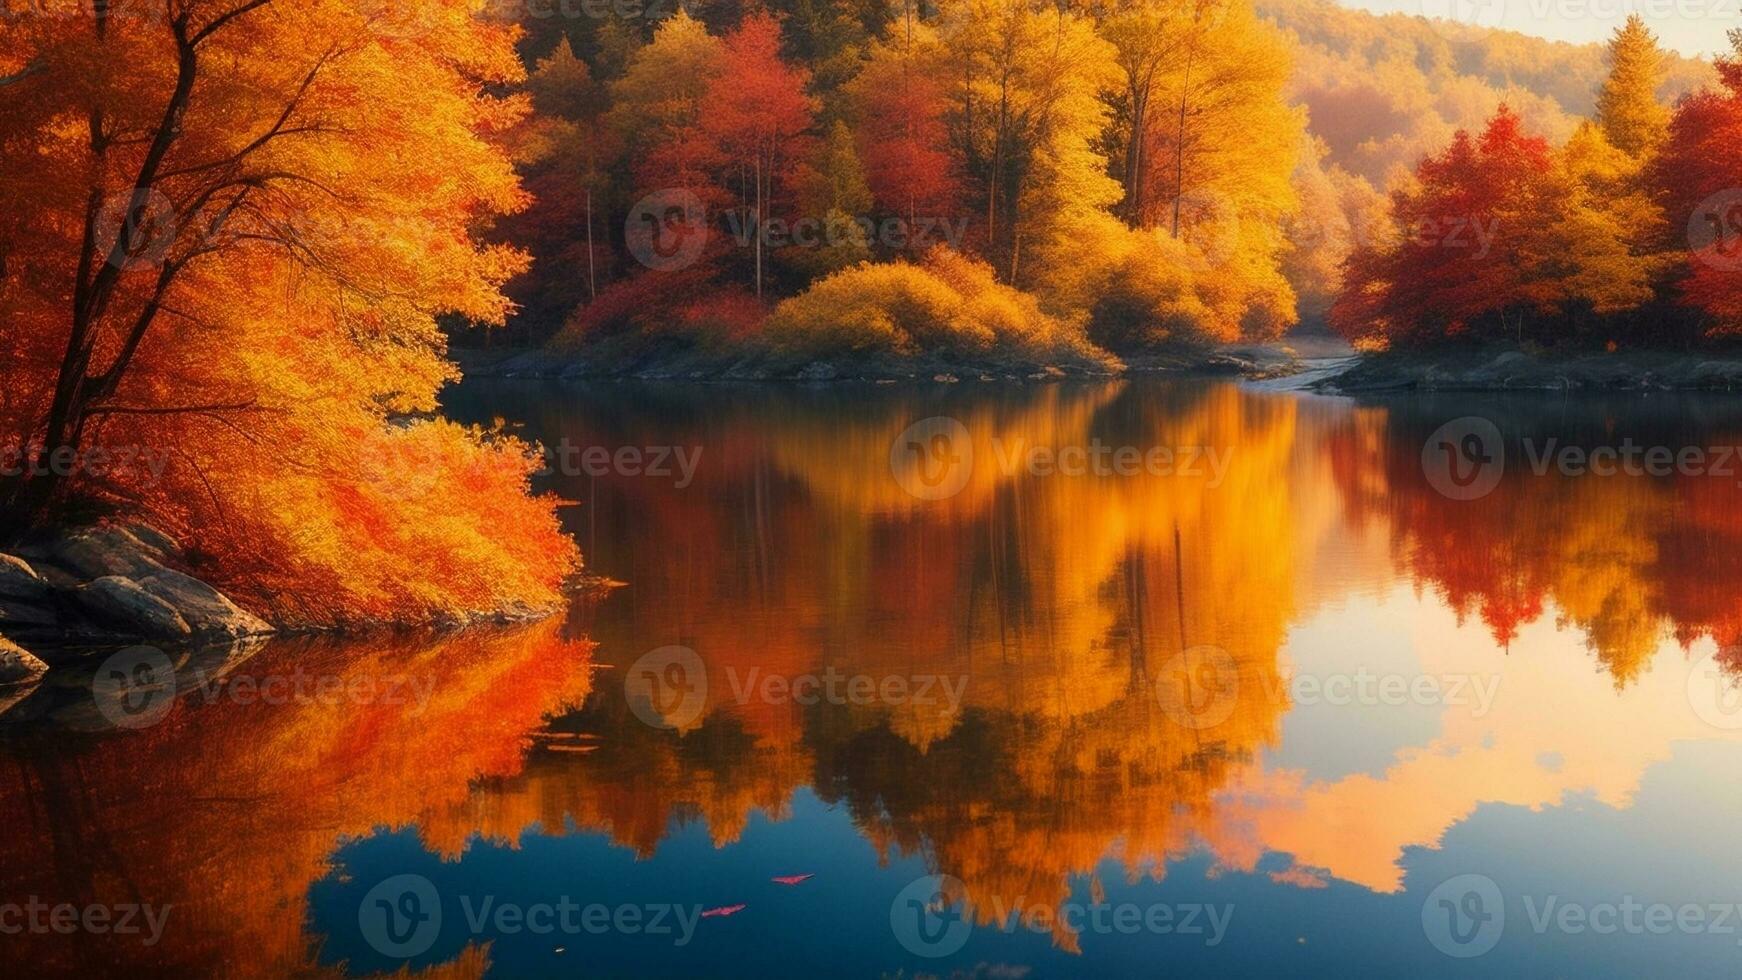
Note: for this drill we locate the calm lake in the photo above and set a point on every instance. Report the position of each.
(1142, 678)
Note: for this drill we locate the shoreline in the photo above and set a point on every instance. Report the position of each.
(1261, 361)
(69, 593)
(1497, 369)
(1310, 363)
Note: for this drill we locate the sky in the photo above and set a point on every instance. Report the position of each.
(1694, 27)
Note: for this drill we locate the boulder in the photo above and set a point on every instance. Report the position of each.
(19, 581)
(126, 606)
(101, 552)
(18, 665)
(206, 611)
(151, 537)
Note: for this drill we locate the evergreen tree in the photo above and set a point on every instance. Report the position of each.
(1627, 107)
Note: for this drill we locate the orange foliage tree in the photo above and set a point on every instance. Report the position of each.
(227, 228)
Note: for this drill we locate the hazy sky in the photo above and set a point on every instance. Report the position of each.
(1688, 26)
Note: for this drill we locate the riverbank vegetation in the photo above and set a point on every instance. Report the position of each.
(220, 277)
(237, 235)
(1149, 175)
(1623, 233)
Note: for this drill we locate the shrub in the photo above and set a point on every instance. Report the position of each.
(950, 305)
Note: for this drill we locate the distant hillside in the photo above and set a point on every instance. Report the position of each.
(1385, 89)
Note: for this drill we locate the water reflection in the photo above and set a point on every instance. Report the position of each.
(1042, 684)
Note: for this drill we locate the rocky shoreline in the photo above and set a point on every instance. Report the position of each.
(1509, 369)
(125, 582)
(107, 584)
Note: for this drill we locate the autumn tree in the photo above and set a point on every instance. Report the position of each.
(1460, 257)
(1025, 81)
(656, 107)
(1596, 249)
(567, 153)
(1698, 174)
(1633, 121)
(899, 104)
(215, 245)
(754, 117)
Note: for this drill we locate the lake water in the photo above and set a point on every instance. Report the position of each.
(1143, 678)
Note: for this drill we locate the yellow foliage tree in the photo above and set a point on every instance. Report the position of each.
(1627, 107)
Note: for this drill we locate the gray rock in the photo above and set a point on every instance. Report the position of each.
(100, 552)
(18, 665)
(125, 605)
(151, 537)
(206, 611)
(19, 581)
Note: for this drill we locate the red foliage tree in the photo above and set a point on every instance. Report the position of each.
(1700, 175)
(754, 122)
(1462, 258)
(902, 137)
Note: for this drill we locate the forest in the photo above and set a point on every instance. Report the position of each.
(1077, 181)
(238, 237)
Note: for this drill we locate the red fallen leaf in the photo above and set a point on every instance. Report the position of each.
(790, 879)
(723, 910)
